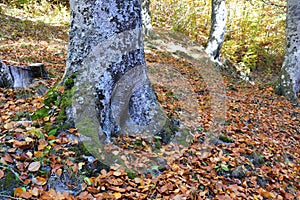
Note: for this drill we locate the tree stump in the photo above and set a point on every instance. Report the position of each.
(21, 77)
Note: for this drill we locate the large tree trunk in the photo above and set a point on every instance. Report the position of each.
(217, 31)
(146, 17)
(289, 80)
(113, 93)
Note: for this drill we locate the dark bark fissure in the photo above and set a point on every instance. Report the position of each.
(138, 113)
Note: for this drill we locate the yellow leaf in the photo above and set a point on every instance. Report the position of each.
(117, 195)
(40, 180)
(117, 173)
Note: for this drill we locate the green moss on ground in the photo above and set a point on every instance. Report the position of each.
(8, 183)
(58, 101)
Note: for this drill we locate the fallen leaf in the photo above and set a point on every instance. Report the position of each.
(117, 173)
(8, 158)
(40, 180)
(34, 166)
(117, 195)
(1, 173)
(18, 191)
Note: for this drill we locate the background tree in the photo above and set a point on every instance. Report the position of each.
(217, 30)
(146, 17)
(107, 57)
(289, 80)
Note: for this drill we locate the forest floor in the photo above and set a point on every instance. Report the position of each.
(254, 150)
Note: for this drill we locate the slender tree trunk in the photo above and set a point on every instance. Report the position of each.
(217, 31)
(146, 17)
(289, 80)
(106, 54)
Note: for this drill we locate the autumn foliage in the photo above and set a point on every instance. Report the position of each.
(256, 154)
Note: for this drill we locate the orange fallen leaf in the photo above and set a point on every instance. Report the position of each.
(18, 191)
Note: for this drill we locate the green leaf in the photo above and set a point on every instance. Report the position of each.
(41, 135)
(52, 132)
(157, 137)
(224, 168)
(155, 167)
(88, 181)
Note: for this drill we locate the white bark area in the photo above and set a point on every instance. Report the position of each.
(217, 31)
(113, 92)
(146, 17)
(289, 81)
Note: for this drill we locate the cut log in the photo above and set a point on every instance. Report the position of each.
(6, 79)
(21, 77)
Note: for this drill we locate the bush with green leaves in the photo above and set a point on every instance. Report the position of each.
(255, 36)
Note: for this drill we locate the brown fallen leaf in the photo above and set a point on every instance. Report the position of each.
(8, 158)
(1, 173)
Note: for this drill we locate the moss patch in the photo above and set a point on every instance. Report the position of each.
(57, 100)
(8, 183)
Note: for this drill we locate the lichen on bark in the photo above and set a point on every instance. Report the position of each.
(105, 46)
(217, 30)
(146, 17)
(288, 83)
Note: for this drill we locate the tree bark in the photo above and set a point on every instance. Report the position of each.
(146, 17)
(289, 81)
(217, 31)
(6, 79)
(106, 54)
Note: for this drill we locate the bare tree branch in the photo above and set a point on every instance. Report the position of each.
(269, 2)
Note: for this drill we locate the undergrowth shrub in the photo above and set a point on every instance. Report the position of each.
(48, 11)
(255, 37)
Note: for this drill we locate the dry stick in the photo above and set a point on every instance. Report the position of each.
(273, 4)
(10, 197)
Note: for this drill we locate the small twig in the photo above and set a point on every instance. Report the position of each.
(269, 2)
(10, 197)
